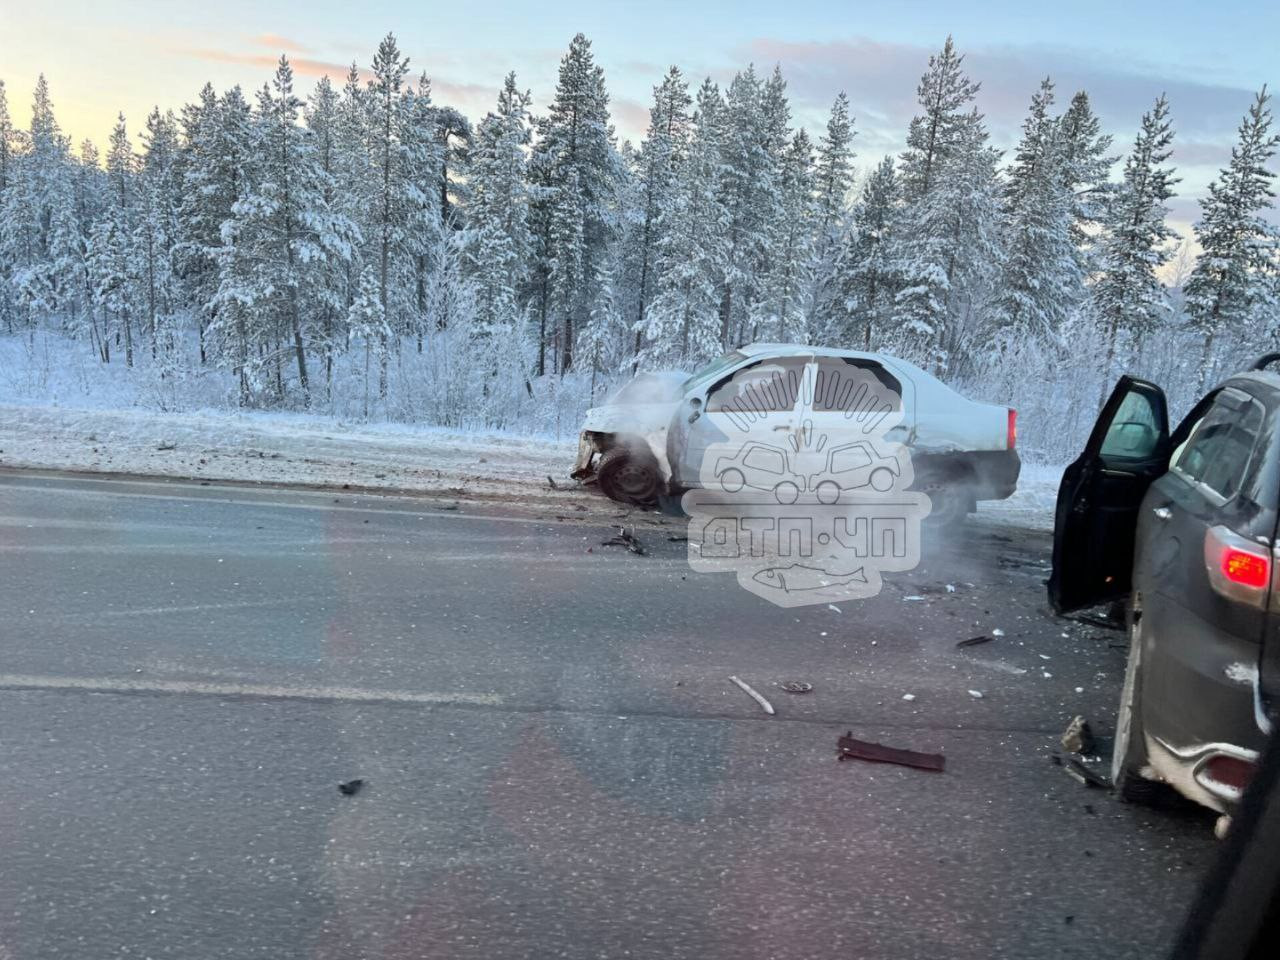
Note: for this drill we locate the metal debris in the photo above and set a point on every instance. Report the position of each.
(351, 787)
(796, 686)
(625, 538)
(851, 748)
(1078, 738)
(1079, 772)
(754, 695)
(974, 641)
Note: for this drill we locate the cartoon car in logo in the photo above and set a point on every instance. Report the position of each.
(760, 466)
(852, 466)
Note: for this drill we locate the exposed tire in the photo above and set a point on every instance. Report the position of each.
(950, 499)
(629, 476)
(1129, 752)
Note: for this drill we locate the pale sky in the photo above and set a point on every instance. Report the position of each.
(101, 58)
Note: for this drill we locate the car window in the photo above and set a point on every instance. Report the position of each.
(849, 458)
(719, 365)
(838, 380)
(1219, 448)
(769, 386)
(770, 461)
(1134, 432)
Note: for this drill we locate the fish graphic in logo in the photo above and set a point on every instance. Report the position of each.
(799, 576)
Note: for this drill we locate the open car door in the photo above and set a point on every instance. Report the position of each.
(1098, 501)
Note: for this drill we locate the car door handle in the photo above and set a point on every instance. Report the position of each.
(1163, 513)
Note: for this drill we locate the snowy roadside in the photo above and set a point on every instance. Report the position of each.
(293, 449)
(317, 451)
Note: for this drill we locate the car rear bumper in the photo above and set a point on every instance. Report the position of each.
(1202, 708)
(991, 474)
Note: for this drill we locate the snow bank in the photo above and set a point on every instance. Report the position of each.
(318, 451)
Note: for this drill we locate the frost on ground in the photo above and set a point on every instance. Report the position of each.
(291, 449)
(319, 451)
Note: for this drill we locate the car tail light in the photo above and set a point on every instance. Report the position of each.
(1239, 569)
(1224, 770)
(1012, 437)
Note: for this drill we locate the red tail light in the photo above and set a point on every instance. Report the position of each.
(1246, 569)
(1238, 568)
(1012, 440)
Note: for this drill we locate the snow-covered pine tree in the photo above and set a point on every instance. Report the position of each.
(215, 161)
(573, 168)
(833, 178)
(1040, 279)
(1233, 289)
(788, 286)
(683, 324)
(156, 229)
(1128, 298)
(498, 214)
(661, 156)
(1086, 166)
(948, 244)
(121, 169)
(865, 280)
(946, 96)
(282, 235)
(394, 195)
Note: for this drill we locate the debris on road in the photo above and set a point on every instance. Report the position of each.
(625, 538)
(914, 596)
(754, 695)
(832, 606)
(351, 787)
(796, 686)
(677, 538)
(974, 641)
(552, 483)
(167, 445)
(976, 694)
(997, 632)
(908, 697)
(851, 748)
(1078, 737)
(1079, 772)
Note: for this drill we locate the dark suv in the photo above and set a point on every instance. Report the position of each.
(1183, 527)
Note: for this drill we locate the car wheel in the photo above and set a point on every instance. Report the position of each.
(786, 492)
(1129, 753)
(828, 492)
(629, 476)
(950, 500)
(732, 480)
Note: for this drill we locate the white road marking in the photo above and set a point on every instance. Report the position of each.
(17, 681)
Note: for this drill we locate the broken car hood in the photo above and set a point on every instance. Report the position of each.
(641, 419)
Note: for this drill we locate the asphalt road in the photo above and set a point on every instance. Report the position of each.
(556, 764)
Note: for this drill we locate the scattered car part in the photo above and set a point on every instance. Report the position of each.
(974, 641)
(1079, 772)
(754, 695)
(851, 748)
(350, 788)
(625, 538)
(796, 686)
(1078, 737)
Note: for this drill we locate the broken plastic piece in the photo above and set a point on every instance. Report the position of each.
(974, 641)
(1078, 737)
(625, 538)
(796, 686)
(751, 692)
(351, 787)
(1078, 771)
(851, 748)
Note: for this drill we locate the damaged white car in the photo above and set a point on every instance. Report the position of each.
(648, 442)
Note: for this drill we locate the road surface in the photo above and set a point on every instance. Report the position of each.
(555, 762)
